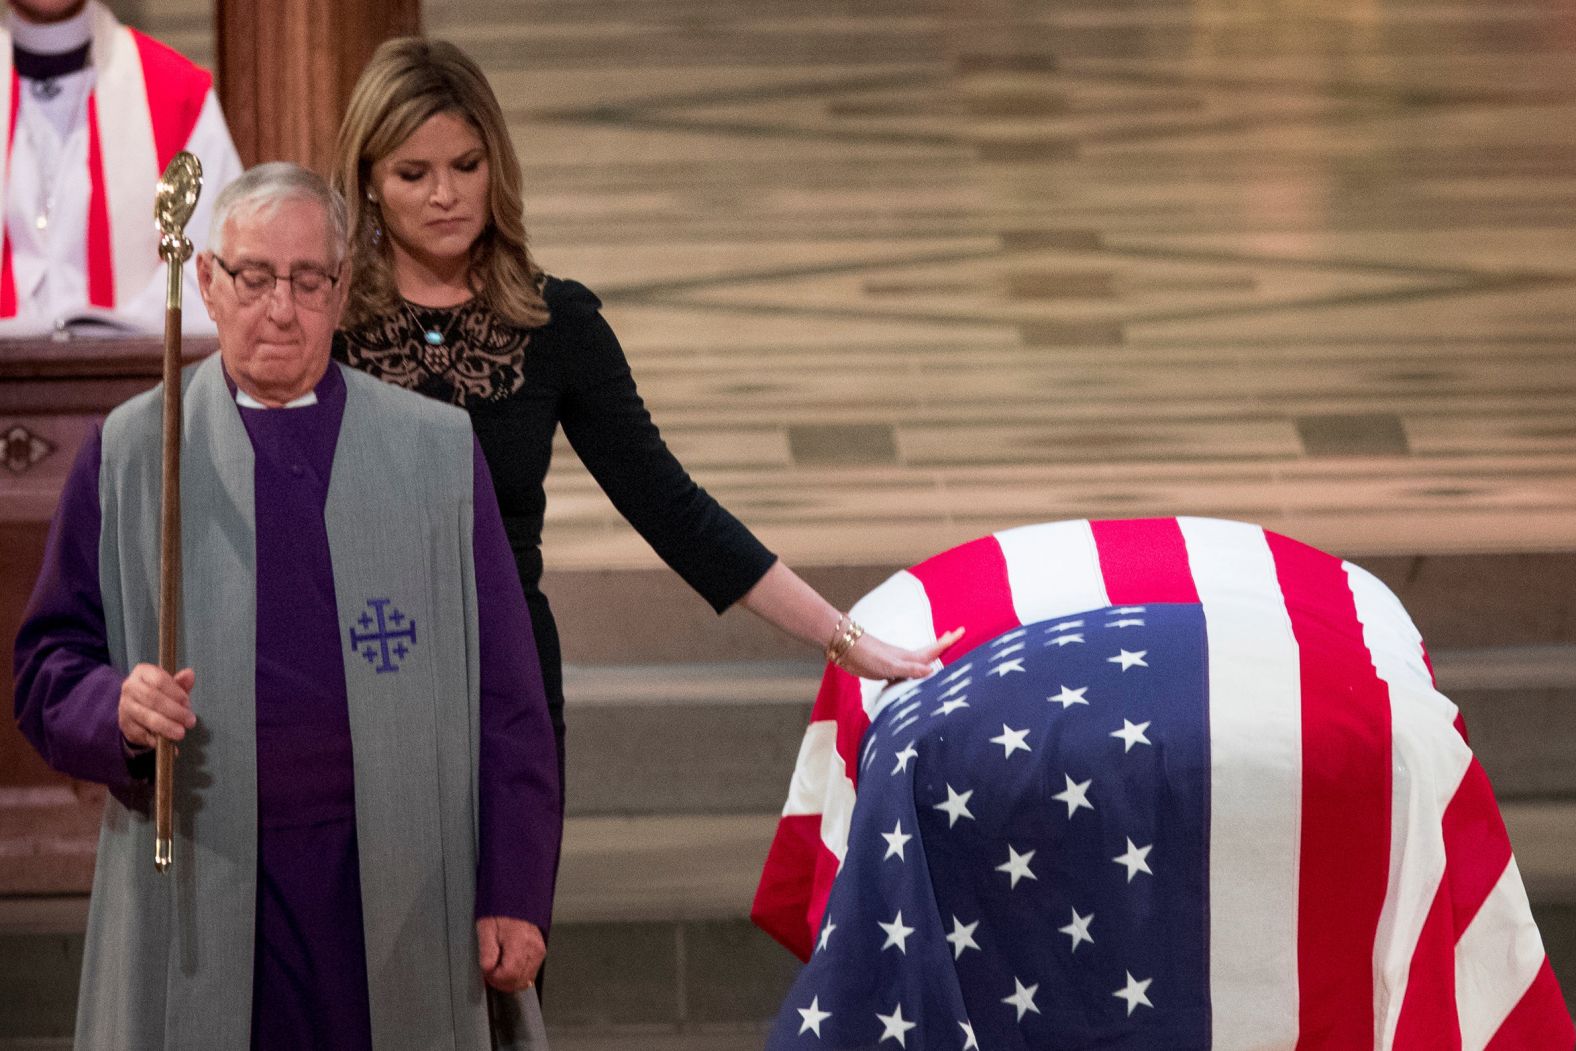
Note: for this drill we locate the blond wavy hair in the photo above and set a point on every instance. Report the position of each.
(408, 81)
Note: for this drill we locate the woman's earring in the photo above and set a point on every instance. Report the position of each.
(377, 227)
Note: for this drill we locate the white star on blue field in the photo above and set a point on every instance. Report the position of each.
(1027, 861)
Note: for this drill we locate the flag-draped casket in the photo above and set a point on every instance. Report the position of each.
(1184, 783)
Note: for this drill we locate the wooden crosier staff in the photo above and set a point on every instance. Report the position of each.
(173, 203)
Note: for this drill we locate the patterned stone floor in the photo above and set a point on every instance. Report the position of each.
(896, 274)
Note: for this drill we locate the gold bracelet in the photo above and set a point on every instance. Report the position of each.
(844, 643)
(843, 638)
(855, 633)
(837, 632)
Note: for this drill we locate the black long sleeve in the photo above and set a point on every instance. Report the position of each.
(576, 374)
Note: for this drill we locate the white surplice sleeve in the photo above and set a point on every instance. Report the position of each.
(210, 141)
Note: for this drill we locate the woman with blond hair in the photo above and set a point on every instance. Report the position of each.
(447, 300)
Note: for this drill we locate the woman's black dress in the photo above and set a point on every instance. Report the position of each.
(519, 385)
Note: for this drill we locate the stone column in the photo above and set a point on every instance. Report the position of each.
(128, 11)
(286, 67)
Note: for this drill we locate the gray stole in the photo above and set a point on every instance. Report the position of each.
(168, 959)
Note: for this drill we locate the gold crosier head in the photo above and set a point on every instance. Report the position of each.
(173, 204)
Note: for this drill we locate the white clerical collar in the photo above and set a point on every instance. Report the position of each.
(246, 401)
(53, 38)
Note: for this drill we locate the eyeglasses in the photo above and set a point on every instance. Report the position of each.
(311, 286)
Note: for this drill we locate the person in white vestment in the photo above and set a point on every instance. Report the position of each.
(90, 113)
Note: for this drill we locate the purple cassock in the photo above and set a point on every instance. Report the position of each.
(310, 971)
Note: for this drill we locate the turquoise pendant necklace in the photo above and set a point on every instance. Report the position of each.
(431, 334)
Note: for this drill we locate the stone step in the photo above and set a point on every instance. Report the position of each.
(723, 738)
(649, 616)
(564, 1038)
(699, 868)
(48, 835)
(1519, 703)
(652, 946)
(651, 983)
(685, 738)
(652, 943)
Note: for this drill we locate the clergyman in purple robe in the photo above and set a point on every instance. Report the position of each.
(367, 806)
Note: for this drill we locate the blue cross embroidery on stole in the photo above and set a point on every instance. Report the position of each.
(386, 636)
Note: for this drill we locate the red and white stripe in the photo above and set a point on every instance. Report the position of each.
(1362, 888)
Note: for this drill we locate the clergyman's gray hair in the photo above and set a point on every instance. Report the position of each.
(263, 188)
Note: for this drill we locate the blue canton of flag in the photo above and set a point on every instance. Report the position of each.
(1027, 864)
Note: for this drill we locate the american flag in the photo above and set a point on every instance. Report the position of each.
(1184, 784)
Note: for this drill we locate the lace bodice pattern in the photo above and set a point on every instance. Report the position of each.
(480, 360)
